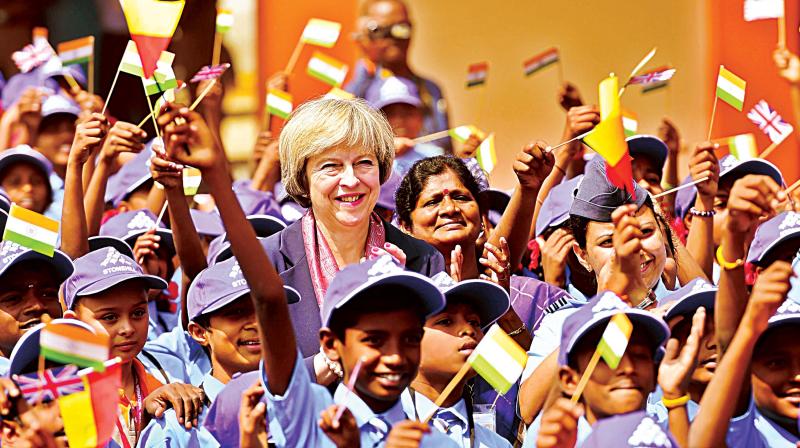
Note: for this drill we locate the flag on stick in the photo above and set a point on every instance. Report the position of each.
(647, 88)
(224, 20)
(730, 88)
(486, 154)
(615, 340)
(279, 103)
(743, 146)
(462, 133)
(323, 33)
(163, 78)
(32, 56)
(70, 344)
(762, 9)
(49, 385)
(90, 416)
(32, 230)
(476, 74)
(541, 61)
(498, 359)
(630, 122)
(327, 69)
(770, 123)
(151, 24)
(76, 51)
(191, 181)
(210, 72)
(661, 74)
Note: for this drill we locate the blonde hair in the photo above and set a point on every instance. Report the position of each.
(325, 123)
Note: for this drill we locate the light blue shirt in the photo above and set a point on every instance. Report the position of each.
(773, 434)
(180, 356)
(403, 163)
(55, 208)
(584, 430)
(457, 429)
(298, 409)
(5, 363)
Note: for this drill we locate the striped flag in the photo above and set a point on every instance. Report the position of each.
(462, 133)
(76, 51)
(224, 20)
(731, 88)
(163, 78)
(70, 344)
(32, 55)
(151, 24)
(770, 123)
(321, 32)
(541, 61)
(630, 122)
(476, 74)
(661, 74)
(339, 93)
(46, 386)
(210, 72)
(327, 69)
(32, 230)
(131, 63)
(498, 359)
(615, 339)
(191, 181)
(762, 9)
(486, 154)
(743, 146)
(90, 416)
(279, 103)
(39, 34)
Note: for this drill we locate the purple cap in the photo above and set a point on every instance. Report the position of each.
(477, 172)
(686, 300)
(596, 198)
(392, 90)
(787, 314)
(27, 349)
(489, 300)
(207, 223)
(781, 229)
(495, 202)
(133, 174)
(20, 82)
(58, 104)
(555, 208)
(257, 202)
(24, 153)
(598, 311)
(219, 285)
(388, 189)
(684, 199)
(5, 202)
(99, 242)
(102, 269)
(650, 147)
(219, 249)
(130, 225)
(634, 429)
(356, 279)
(53, 67)
(12, 253)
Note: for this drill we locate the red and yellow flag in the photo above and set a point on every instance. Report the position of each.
(151, 24)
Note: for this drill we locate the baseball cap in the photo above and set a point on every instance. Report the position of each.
(219, 249)
(489, 300)
(357, 280)
(27, 349)
(128, 226)
(220, 285)
(596, 198)
(597, 312)
(59, 104)
(495, 201)
(102, 269)
(555, 207)
(12, 253)
(132, 175)
(207, 223)
(256, 202)
(650, 147)
(393, 90)
(781, 230)
(26, 154)
(687, 299)
(386, 197)
(5, 202)
(787, 314)
(99, 242)
(633, 429)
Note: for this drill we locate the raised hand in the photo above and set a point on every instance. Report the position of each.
(495, 261)
(88, 102)
(769, 292)
(676, 368)
(89, 134)
(279, 81)
(188, 139)
(469, 147)
(751, 198)
(788, 64)
(555, 252)
(623, 275)
(668, 133)
(582, 119)
(559, 425)
(343, 432)
(569, 96)
(253, 418)
(168, 174)
(123, 137)
(145, 251)
(186, 399)
(704, 163)
(533, 165)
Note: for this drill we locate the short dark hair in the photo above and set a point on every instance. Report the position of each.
(414, 182)
(392, 298)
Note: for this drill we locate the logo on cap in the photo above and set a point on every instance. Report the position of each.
(791, 220)
(393, 87)
(609, 301)
(729, 162)
(236, 274)
(10, 247)
(141, 221)
(648, 433)
(788, 306)
(117, 262)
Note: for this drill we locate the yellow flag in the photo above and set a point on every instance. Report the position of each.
(608, 137)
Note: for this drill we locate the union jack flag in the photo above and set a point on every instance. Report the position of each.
(770, 123)
(49, 385)
(660, 74)
(32, 56)
(210, 72)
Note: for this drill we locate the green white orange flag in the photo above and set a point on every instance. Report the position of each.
(541, 61)
(224, 20)
(76, 51)
(163, 78)
(71, 344)
(486, 154)
(191, 181)
(321, 32)
(462, 133)
(279, 103)
(743, 146)
(131, 63)
(90, 416)
(630, 123)
(151, 24)
(731, 88)
(615, 339)
(327, 69)
(32, 230)
(498, 359)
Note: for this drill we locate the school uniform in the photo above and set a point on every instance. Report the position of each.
(55, 208)
(175, 357)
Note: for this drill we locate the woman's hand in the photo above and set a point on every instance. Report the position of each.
(186, 399)
(89, 134)
(253, 418)
(343, 432)
(456, 261)
(534, 163)
(676, 368)
(166, 173)
(555, 253)
(495, 260)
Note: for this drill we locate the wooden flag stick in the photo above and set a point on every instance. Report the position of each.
(769, 150)
(295, 56)
(217, 48)
(161, 214)
(553, 148)
(782, 30)
(432, 137)
(152, 112)
(680, 187)
(351, 384)
(91, 69)
(585, 377)
(71, 80)
(203, 94)
(447, 390)
(638, 67)
(108, 97)
(793, 187)
(713, 112)
(144, 120)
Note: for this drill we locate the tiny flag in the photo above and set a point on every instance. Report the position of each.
(541, 61)
(32, 230)
(39, 34)
(210, 72)
(151, 24)
(131, 63)
(321, 32)
(743, 146)
(327, 69)
(49, 385)
(462, 133)
(615, 339)
(498, 359)
(661, 74)
(630, 122)
(191, 181)
(32, 55)
(224, 20)
(770, 123)
(279, 103)
(647, 88)
(70, 344)
(90, 416)
(486, 154)
(76, 51)
(339, 93)
(730, 88)
(163, 78)
(762, 9)
(476, 74)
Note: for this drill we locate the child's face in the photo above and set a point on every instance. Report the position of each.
(26, 186)
(55, 136)
(45, 416)
(707, 354)
(647, 174)
(27, 292)
(405, 119)
(776, 372)
(232, 336)
(450, 337)
(121, 312)
(389, 344)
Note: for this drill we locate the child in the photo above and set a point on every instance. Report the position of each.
(24, 175)
(56, 131)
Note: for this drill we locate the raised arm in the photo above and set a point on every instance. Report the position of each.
(700, 242)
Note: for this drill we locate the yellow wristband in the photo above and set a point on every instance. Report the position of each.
(725, 264)
(672, 403)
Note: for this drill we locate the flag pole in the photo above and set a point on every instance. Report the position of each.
(217, 48)
(144, 120)
(782, 29)
(152, 112)
(680, 187)
(636, 69)
(110, 91)
(793, 187)
(203, 94)
(769, 150)
(553, 148)
(295, 56)
(713, 112)
(585, 377)
(91, 69)
(432, 137)
(447, 390)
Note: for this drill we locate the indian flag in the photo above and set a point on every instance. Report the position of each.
(486, 154)
(76, 51)
(730, 88)
(540, 61)
(224, 20)
(743, 146)
(163, 78)
(131, 63)
(70, 344)
(32, 230)
(630, 123)
(615, 339)
(462, 133)
(498, 359)
(476, 74)
(339, 93)
(279, 103)
(321, 32)
(327, 69)
(191, 181)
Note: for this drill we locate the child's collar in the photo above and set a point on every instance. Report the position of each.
(362, 412)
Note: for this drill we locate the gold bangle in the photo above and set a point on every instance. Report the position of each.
(519, 330)
(728, 265)
(672, 403)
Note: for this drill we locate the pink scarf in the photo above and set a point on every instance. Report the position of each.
(321, 262)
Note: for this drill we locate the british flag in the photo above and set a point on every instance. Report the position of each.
(32, 56)
(210, 72)
(660, 74)
(770, 123)
(49, 385)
